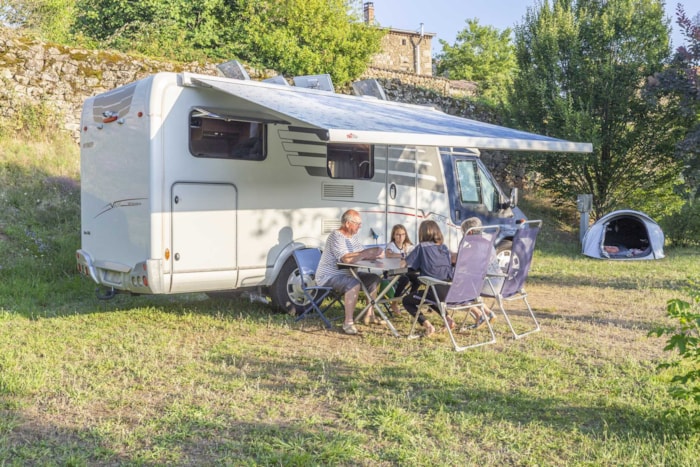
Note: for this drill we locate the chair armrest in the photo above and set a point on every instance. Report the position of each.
(427, 280)
(317, 287)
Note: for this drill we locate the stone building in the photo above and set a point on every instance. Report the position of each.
(402, 50)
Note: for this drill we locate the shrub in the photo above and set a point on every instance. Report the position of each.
(30, 120)
(683, 227)
(685, 338)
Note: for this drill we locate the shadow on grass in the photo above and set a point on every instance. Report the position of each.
(185, 441)
(335, 431)
(626, 283)
(335, 437)
(632, 325)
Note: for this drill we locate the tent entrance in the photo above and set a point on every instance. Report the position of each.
(625, 237)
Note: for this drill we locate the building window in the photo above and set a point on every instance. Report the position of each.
(350, 161)
(403, 41)
(223, 137)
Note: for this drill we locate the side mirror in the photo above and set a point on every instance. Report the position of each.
(513, 197)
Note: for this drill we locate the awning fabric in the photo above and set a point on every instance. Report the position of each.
(353, 119)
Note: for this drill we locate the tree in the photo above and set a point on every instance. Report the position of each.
(483, 55)
(298, 37)
(677, 89)
(583, 65)
(175, 29)
(293, 37)
(48, 19)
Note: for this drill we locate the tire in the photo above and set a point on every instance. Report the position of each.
(504, 251)
(286, 292)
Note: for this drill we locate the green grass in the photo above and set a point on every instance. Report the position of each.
(189, 380)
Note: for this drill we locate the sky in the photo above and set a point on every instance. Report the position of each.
(446, 18)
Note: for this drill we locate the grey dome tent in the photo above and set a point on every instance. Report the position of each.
(624, 234)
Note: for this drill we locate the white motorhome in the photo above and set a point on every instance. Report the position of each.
(194, 183)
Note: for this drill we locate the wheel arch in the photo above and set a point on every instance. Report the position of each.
(281, 273)
(286, 253)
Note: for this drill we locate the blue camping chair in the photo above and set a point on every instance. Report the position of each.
(510, 286)
(473, 257)
(307, 261)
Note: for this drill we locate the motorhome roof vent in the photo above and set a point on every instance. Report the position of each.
(369, 87)
(279, 79)
(321, 82)
(233, 69)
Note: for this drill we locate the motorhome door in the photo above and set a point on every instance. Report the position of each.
(203, 227)
(401, 199)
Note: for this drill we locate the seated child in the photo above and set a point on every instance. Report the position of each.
(432, 258)
(399, 247)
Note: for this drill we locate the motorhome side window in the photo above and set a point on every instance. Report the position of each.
(351, 161)
(475, 186)
(225, 138)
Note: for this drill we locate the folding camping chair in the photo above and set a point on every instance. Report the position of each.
(464, 291)
(307, 261)
(510, 285)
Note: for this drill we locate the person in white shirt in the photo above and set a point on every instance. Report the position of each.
(343, 246)
(399, 247)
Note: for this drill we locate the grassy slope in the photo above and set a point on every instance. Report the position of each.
(191, 380)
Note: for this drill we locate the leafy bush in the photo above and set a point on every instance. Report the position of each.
(658, 202)
(683, 227)
(685, 338)
(30, 120)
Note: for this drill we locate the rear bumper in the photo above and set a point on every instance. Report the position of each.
(144, 277)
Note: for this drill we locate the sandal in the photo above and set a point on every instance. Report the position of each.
(475, 315)
(367, 320)
(450, 322)
(375, 320)
(480, 322)
(429, 329)
(492, 316)
(350, 329)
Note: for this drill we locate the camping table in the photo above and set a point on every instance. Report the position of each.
(388, 268)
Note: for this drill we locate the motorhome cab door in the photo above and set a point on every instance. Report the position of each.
(479, 194)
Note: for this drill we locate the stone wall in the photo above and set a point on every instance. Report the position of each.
(443, 86)
(62, 77)
(32, 72)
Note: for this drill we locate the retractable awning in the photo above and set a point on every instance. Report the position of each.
(352, 119)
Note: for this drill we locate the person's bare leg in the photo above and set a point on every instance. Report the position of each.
(429, 328)
(350, 303)
(476, 314)
(373, 297)
(395, 308)
(490, 314)
(370, 317)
